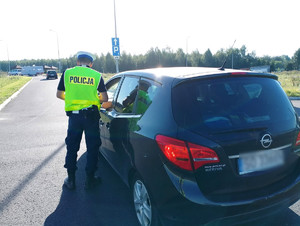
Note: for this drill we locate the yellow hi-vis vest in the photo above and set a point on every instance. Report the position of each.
(81, 85)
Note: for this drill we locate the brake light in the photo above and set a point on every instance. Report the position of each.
(298, 139)
(177, 152)
(238, 73)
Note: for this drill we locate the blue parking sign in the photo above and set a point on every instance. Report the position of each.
(115, 47)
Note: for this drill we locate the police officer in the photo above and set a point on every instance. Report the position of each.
(83, 91)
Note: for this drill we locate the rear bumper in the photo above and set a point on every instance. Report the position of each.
(192, 208)
(190, 215)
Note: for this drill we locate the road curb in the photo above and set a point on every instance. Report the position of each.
(294, 98)
(13, 96)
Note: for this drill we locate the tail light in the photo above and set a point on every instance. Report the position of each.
(184, 155)
(298, 140)
(202, 155)
(175, 150)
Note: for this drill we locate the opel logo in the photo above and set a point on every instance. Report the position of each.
(266, 140)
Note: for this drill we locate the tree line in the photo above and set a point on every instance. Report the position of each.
(237, 58)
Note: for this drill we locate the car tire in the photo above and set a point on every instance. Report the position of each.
(145, 209)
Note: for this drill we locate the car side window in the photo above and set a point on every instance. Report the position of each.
(127, 95)
(111, 88)
(146, 93)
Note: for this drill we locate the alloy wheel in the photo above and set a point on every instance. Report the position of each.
(142, 203)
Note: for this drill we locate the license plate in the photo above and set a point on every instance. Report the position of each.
(260, 161)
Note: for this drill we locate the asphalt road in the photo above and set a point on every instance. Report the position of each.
(32, 132)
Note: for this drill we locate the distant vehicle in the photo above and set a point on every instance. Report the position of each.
(15, 72)
(201, 145)
(51, 74)
(32, 70)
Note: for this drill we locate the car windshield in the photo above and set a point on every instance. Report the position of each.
(231, 104)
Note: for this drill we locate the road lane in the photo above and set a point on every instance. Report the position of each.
(30, 151)
(32, 132)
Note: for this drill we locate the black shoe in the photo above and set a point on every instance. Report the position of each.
(70, 183)
(92, 182)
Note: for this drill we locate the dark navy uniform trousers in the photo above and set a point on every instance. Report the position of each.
(87, 121)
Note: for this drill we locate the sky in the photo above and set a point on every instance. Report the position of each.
(29, 29)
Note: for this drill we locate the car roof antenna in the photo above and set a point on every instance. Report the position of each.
(223, 65)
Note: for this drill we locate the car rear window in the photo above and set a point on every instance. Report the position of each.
(226, 104)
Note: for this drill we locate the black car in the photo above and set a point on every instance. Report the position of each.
(51, 74)
(199, 145)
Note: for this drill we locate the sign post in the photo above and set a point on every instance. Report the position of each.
(116, 51)
(115, 43)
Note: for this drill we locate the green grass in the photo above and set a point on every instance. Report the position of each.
(10, 84)
(290, 81)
